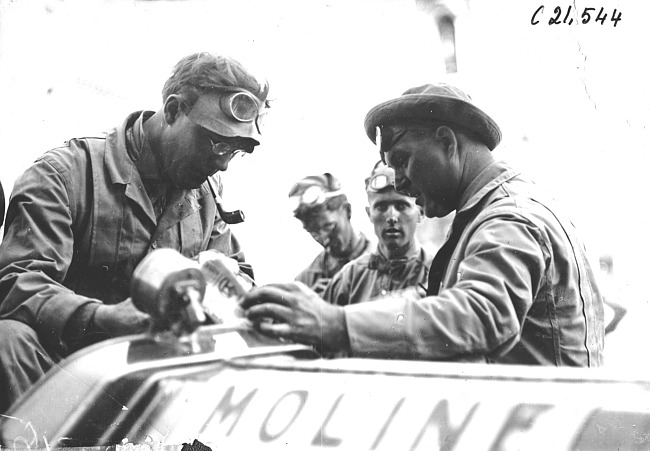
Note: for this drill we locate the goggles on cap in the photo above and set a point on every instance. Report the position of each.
(385, 138)
(242, 106)
(312, 196)
(379, 182)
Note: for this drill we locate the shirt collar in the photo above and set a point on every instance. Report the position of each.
(140, 149)
(487, 180)
(383, 264)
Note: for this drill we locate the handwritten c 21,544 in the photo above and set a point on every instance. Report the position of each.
(588, 15)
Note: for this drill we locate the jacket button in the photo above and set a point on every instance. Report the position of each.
(154, 245)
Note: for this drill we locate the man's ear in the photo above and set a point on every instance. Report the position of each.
(421, 214)
(348, 208)
(448, 139)
(368, 212)
(172, 108)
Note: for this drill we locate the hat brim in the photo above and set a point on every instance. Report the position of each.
(419, 107)
(207, 113)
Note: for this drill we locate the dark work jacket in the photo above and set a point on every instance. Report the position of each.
(512, 284)
(78, 222)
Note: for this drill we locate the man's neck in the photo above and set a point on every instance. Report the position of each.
(475, 159)
(396, 253)
(347, 251)
(150, 162)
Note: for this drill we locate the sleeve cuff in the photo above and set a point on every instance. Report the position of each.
(79, 331)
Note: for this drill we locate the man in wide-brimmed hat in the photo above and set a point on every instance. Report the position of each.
(511, 284)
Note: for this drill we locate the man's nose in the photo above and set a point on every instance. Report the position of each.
(392, 215)
(323, 240)
(221, 162)
(320, 235)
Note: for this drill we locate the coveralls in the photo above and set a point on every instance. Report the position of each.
(78, 222)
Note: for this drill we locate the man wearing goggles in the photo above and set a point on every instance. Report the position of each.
(324, 211)
(84, 215)
(399, 262)
(512, 282)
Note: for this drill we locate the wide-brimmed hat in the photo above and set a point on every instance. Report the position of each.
(440, 102)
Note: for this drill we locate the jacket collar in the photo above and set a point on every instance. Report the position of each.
(119, 164)
(489, 179)
(122, 170)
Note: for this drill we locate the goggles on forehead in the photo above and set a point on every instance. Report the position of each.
(242, 106)
(385, 138)
(379, 182)
(312, 196)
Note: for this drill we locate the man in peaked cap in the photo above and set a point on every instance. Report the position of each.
(511, 284)
(85, 214)
(399, 262)
(324, 211)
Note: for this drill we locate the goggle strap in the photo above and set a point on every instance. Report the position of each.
(319, 200)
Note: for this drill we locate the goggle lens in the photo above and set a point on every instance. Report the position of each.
(379, 182)
(385, 138)
(314, 195)
(243, 107)
(222, 148)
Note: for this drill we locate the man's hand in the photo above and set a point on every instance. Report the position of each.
(295, 312)
(121, 319)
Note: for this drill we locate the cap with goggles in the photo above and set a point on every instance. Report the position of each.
(381, 178)
(312, 197)
(313, 191)
(229, 111)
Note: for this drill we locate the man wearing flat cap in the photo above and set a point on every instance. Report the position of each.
(399, 262)
(322, 207)
(85, 214)
(511, 284)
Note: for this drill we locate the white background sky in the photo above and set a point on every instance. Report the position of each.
(572, 101)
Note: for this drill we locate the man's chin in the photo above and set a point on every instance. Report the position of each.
(435, 210)
(393, 244)
(191, 184)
